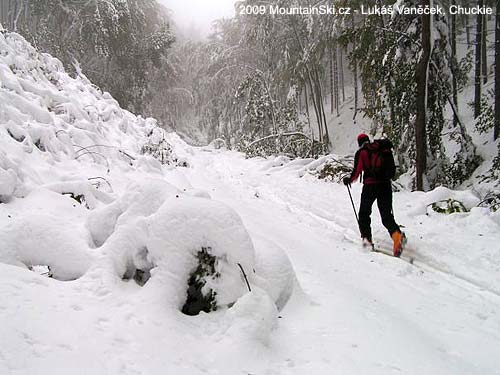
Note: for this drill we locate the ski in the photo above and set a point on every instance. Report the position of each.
(403, 256)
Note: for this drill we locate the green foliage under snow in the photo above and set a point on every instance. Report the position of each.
(198, 299)
(448, 206)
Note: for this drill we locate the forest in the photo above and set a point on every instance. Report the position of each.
(268, 84)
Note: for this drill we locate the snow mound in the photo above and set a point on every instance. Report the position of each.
(93, 193)
(185, 225)
(46, 229)
(426, 199)
(154, 226)
(275, 269)
(141, 199)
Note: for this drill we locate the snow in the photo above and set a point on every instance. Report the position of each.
(78, 195)
(82, 208)
(357, 312)
(8, 182)
(45, 229)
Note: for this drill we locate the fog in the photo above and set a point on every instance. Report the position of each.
(196, 16)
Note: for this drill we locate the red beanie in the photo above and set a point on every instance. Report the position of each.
(362, 138)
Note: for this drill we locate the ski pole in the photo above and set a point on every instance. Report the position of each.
(352, 202)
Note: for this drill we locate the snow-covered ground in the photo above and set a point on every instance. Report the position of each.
(78, 193)
(360, 312)
(85, 206)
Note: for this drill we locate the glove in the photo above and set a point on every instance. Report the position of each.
(347, 181)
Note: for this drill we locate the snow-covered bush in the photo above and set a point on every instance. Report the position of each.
(492, 174)
(187, 242)
(191, 246)
(292, 144)
(199, 298)
(491, 200)
(448, 206)
(185, 225)
(158, 147)
(334, 171)
(330, 167)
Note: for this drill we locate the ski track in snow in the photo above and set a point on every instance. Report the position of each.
(358, 312)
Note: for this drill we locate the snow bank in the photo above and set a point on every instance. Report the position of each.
(95, 194)
(46, 228)
(49, 117)
(155, 225)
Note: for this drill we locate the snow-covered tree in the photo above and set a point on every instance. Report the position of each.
(389, 52)
(120, 45)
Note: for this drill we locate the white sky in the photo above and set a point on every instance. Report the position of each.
(199, 13)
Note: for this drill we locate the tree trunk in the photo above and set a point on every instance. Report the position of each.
(341, 70)
(484, 42)
(3, 12)
(355, 75)
(477, 78)
(332, 100)
(453, 37)
(326, 137)
(336, 77)
(422, 78)
(316, 108)
(467, 30)
(496, 129)
(299, 101)
(307, 105)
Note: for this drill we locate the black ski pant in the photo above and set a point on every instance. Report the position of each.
(382, 192)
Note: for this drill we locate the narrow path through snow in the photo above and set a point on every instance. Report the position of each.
(354, 312)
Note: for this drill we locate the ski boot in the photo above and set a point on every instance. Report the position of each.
(399, 239)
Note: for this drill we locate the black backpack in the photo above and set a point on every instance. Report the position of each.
(381, 160)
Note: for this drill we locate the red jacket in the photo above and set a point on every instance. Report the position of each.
(362, 165)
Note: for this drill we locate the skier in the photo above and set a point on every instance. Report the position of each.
(374, 164)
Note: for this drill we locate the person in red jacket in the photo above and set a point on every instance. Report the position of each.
(376, 186)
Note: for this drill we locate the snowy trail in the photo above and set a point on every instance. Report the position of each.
(357, 312)
(326, 205)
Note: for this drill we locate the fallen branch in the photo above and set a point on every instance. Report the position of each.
(271, 136)
(245, 276)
